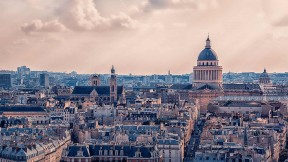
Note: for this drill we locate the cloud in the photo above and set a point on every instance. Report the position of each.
(21, 42)
(124, 21)
(282, 22)
(150, 5)
(81, 15)
(154, 5)
(41, 26)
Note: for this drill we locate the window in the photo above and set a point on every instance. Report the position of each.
(111, 152)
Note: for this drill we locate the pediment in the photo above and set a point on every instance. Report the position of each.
(93, 93)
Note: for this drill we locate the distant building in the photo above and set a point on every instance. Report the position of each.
(23, 70)
(264, 78)
(107, 95)
(208, 84)
(171, 150)
(44, 80)
(208, 71)
(126, 153)
(35, 114)
(95, 80)
(5, 81)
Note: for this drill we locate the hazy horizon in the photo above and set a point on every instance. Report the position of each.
(145, 37)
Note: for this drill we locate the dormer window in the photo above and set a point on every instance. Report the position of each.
(121, 152)
(138, 154)
(111, 152)
(105, 152)
(80, 153)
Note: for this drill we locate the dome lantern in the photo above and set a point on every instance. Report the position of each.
(208, 45)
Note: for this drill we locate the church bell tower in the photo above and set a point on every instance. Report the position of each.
(95, 80)
(113, 86)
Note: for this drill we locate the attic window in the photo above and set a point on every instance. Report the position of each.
(121, 153)
(111, 152)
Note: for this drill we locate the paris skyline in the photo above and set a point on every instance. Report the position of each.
(145, 37)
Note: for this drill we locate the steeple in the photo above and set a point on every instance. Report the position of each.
(208, 42)
(265, 70)
(112, 70)
(113, 87)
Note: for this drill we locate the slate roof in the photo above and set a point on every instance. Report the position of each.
(72, 151)
(241, 87)
(93, 150)
(212, 87)
(101, 90)
(138, 129)
(207, 86)
(128, 151)
(168, 142)
(240, 104)
(181, 86)
(21, 109)
(207, 54)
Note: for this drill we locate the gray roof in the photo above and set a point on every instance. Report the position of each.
(101, 90)
(181, 86)
(93, 150)
(241, 87)
(168, 142)
(240, 104)
(21, 109)
(207, 86)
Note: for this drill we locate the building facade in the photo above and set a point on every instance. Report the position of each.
(107, 95)
(44, 80)
(5, 80)
(207, 81)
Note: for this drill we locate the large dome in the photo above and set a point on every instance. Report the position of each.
(264, 74)
(207, 54)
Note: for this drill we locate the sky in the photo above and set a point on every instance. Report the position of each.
(142, 36)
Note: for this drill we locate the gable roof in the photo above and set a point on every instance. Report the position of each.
(207, 86)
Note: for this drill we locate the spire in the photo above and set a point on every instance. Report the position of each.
(265, 70)
(208, 42)
(112, 70)
(208, 38)
(245, 136)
